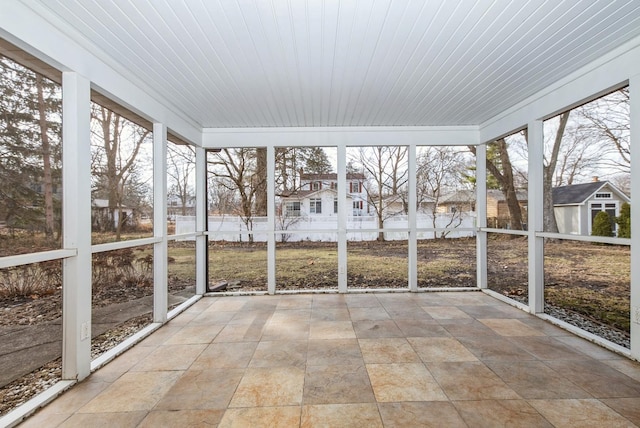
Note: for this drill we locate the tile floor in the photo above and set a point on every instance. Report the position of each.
(367, 360)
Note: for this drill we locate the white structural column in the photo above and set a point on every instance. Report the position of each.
(342, 218)
(271, 220)
(76, 211)
(160, 252)
(634, 89)
(481, 215)
(535, 215)
(412, 244)
(201, 220)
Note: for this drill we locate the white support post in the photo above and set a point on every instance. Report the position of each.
(536, 217)
(76, 212)
(201, 221)
(271, 220)
(342, 218)
(481, 215)
(634, 90)
(160, 251)
(412, 200)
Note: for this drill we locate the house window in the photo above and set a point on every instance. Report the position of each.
(354, 187)
(357, 205)
(292, 209)
(334, 185)
(603, 195)
(335, 205)
(315, 206)
(316, 185)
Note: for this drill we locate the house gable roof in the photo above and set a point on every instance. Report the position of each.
(331, 176)
(579, 193)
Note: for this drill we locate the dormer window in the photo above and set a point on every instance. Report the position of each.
(316, 185)
(355, 187)
(603, 195)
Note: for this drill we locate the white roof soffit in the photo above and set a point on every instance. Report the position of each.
(237, 64)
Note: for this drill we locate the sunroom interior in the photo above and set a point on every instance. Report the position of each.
(228, 82)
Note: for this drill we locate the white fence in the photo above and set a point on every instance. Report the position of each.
(321, 228)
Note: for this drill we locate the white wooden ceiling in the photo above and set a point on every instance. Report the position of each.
(282, 63)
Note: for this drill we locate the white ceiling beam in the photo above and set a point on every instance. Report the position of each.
(334, 136)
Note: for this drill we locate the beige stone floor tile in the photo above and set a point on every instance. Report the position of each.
(202, 389)
(280, 353)
(627, 407)
(330, 314)
(273, 386)
(295, 302)
(170, 357)
(290, 316)
(50, 420)
(328, 301)
(331, 330)
(104, 420)
(261, 417)
(74, 398)
(363, 415)
(445, 312)
(387, 350)
(182, 418)
(210, 317)
(410, 313)
(588, 348)
(545, 327)
(121, 364)
(286, 331)
(466, 327)
(224, 304)
(404, 382)
(362, 301)
(368, 313)
(628, 367)
(547, 348)
(510, 327)
(533, 379)
(133, 391)
(495, 348)
(192, 334)
(232, 355)
(251, 317)
(500, 413)
(597, 378)
(337, 384)
(440, 349)
(579, 413)
(184, 318)
(376, 329)
(431, 414)
(236, 333)
(422, 328)
(331, 352)
(470, 381)
(161, 335)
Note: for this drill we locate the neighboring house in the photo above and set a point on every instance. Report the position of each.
(576, 206)
(498, 210)
(396, 205)
(174, 206)
(100, 214)
(318, 196)
(456, 202)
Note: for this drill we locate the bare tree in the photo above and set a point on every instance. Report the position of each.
(549, 171)
(386, 170)
(180, 168)
(116, 143)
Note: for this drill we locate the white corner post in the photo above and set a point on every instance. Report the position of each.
(160, 251)
(634, 91)
(201, 221)
(481, 215)
(342, 218)
(412, 200)
(76, 227)
(271, 220)
(535, 217)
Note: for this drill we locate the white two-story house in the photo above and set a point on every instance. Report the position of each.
(318, 196)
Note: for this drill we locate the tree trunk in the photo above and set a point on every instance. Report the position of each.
(47, 178)
(261, 182)
(549, 217)
(508, 187)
